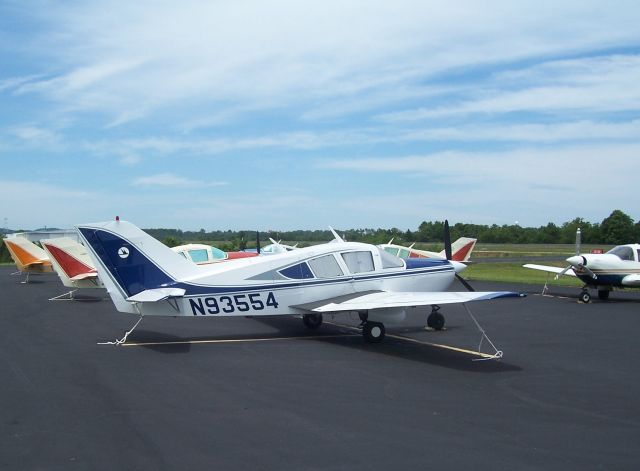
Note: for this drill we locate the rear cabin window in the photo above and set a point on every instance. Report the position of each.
(403, 253)
(199, 255)
(326, 267)
(358, 262)
(300, 271)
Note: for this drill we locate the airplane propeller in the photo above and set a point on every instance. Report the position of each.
(258, 241)
(577, 261)
(449, 254)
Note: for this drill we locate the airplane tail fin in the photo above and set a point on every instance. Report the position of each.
(27, 255)
(461, 249)
(70, 260)
(130, 261)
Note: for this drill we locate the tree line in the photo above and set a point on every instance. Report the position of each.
(617, 228)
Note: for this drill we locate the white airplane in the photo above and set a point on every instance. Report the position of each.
(145, 277)
(618, 268)
(460, 250)
(202, 254)
(72, 263)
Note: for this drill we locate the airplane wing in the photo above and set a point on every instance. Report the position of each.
(157, 294)
(385, 299)
(549, 269)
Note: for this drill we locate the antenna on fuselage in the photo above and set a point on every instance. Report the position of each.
(335, 235)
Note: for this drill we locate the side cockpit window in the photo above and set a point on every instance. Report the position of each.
(623, 252)
(358, 262)
(326, 267)
(199, 255)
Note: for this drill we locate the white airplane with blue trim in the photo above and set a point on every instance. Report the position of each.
(146, 278)
(618, 268)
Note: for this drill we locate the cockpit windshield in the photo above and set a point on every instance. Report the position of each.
(623, 252)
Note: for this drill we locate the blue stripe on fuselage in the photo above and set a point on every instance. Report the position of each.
(136, 272)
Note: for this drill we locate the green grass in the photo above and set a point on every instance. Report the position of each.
(515, 273)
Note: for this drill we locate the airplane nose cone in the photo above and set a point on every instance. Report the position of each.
(457, 266)
(577, 260)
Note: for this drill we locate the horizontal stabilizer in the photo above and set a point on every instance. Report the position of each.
(157, 294)
(85, 276)
(384, 299)
(549, 269)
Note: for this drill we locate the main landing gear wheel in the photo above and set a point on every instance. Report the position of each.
(603, 294)
(585, 297)
(373, 332)
(435, 319)
(312, 321)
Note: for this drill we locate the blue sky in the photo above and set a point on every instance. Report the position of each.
(286, 114)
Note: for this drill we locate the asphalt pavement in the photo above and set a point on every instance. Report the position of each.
(263, 394)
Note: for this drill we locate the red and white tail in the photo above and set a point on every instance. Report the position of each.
(461, 249)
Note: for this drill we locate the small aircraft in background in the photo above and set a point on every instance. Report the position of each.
(145, 277)
(72, 263)
(618, 268)
(28, 257)
(202, 254)
(276, 247)
(460, 250)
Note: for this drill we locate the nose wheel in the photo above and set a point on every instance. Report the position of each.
(585, 297)
(435, 319)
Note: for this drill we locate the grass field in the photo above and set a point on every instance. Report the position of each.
(515, 273)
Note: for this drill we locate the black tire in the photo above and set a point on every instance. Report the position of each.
(435, 321)
(603, 294)
(373, 332)
(312, 321)
(585, 297)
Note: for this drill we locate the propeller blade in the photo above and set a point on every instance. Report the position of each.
(465, 283)
(258, 241)
(447, 240)
(578, 241)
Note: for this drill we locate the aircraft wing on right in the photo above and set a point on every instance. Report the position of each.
(556, 270)
(384, 299)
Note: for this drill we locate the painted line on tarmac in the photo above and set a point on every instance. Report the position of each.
(422, 342)
(262, 339)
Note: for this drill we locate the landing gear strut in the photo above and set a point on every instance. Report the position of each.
(435, 319)
(312, 321)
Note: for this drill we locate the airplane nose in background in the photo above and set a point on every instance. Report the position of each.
(577, 260)
(457, 266)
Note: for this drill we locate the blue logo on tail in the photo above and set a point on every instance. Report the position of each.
(129, 267)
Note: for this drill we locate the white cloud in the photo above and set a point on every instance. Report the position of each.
(127, 60)
(600, 85)
(171, 180)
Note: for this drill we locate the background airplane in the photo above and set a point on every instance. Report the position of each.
(28, 257)
(202, 254)
(145, 277)
(72, 263)
(460, 250)
(618, 268)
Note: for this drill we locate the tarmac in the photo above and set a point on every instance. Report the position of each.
(267, 394)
